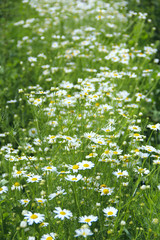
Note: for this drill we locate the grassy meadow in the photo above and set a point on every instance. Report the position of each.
(79, 143)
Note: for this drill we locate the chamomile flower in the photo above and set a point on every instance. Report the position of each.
(83, 232)
(88, 219)
(74, 178)
(3, 189)
(134, 128)
(110, 212)
(106, 191)
(62, 213)
(120, 173)
(17, 186)
(85, 165)
(34, 178)
(49, 169)
(34, 218)
(40, 200)
(24, 201)
(32, 132)
(154, 127)
(74, 167)
(49, 236)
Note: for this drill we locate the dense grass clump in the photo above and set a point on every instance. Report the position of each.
(79, 157)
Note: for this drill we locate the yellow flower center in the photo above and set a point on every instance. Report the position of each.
(40, 201)
(120, 173)
(91, 154)
(87, 220)
(49, 168)
(19, 172)
(52, 137)
(136, 150)
(17, 184)
(62, 213)
(136, 135)
(107, 130)
(33, 216)
(110, 213)
(105, 191)
(25, 201)
(1, 189)
(115, 152)
(107, 151)
(86, 165)
(75, 167)
(34, 179)
(49, 238)
(74, 179)
(68, 138)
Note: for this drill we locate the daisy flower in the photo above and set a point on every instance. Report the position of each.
(83, 232)
(32, 132)
(49, 169)
(73, 178)
(120, 173)
(49, 236)
(17, 186)
(34, 218)
(154, 127)
(44, 224)
(74, 168)
(110, 212)
(24, 201)
(40, 200)
(18, 173)
(34, 178)
(62, 213)
(85, 165)
(88, 219)
(134, 128)
(106, 191)
(3, 189)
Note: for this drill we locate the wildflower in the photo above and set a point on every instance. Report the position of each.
(120, 173)
(134, 128)
(73, 178)
(24, 201)
(17, 186)
(32, 132)
(154, 127)
(74, 168)
(88, 219)
(34, 178)
(110, 211)
(34, 218)
(83, 232)
(3, 189)
(106, 191)
(18, 173)
(86, 165)
(62, 213)
(40, 200)
(49, 236)
(44, 224)
(49, 169)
